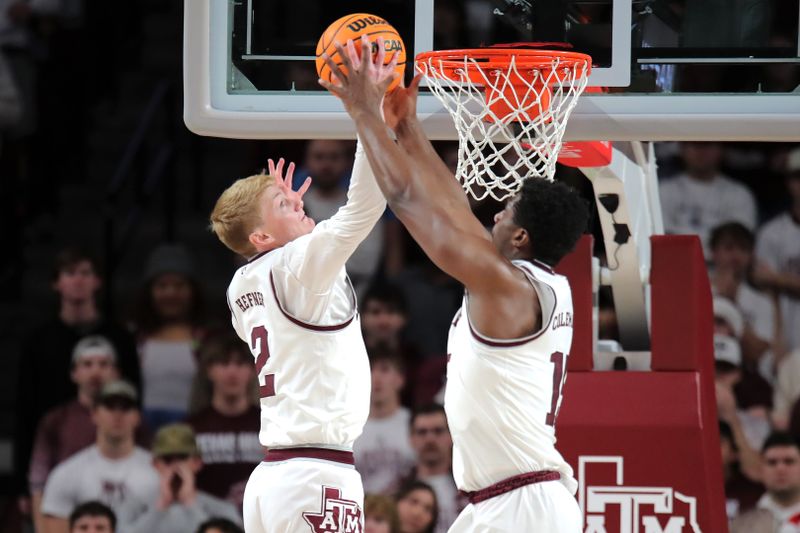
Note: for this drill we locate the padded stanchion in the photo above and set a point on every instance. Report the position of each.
(577, 267)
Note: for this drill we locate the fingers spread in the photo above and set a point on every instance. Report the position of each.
(335, 89)
(335, 70)
(304, 187)
(380, 56)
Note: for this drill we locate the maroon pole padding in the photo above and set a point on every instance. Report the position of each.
(577, 267)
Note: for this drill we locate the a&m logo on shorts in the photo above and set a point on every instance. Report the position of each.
(336, 516)
(606, 502)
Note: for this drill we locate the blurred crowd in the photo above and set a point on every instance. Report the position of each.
(750, 231)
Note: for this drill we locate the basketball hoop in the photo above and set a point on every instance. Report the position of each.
(510, 107)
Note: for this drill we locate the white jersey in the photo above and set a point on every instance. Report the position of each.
(296, 309)
(502, 396)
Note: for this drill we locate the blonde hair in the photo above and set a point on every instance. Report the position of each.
(235, 214)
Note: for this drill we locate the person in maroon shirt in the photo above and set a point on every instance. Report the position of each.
(226, 418)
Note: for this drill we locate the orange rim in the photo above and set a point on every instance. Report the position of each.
(451, 61)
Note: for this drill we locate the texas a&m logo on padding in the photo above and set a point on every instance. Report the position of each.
(337, 515)
(609, 505)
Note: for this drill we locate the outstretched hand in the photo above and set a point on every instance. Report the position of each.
(284, 182)
(367, 78)
(401, 103)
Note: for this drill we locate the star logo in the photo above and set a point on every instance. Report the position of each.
(337, 514)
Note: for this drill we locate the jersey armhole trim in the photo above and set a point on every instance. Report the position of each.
(510, 343)
(306, 325)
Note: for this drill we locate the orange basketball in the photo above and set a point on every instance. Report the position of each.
(353, 27)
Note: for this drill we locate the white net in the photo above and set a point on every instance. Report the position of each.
(510, 115)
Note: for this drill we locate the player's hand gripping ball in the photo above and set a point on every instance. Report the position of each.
(353, 27)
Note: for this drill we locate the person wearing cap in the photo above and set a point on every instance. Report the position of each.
(45, 361)
(68, 428)
(179, 506)
(778, 253)
(169, 320)
(113, 471)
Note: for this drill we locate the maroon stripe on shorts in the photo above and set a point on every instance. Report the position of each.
(283, 454)
(512, 483)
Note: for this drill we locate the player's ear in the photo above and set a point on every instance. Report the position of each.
(262, 241)
(520, 238)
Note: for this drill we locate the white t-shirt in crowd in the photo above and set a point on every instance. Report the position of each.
(450, 503)
(696, 207)
(126, 485)
(383, 452)
(168, 369)
(778, 245)
(787, 518)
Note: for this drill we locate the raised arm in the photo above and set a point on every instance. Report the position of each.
(315, 260)
(418, 186)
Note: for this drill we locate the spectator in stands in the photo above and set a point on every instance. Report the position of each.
(779, 509)
(225, 418)
(732, 247)
(433, 446)
(383, 453)
(46, 358)
(92, 517)
(741, 490)
(380, 514)
(219, 525)
(418, 509)
(178, 505)
(702, 198)
(114, 471)
(328, 162)
(753, 395)
(384, 315)
(68, 428)
(778, 253)
(10, 103)
(169, 328)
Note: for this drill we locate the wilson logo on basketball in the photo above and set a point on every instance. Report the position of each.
(360, 24)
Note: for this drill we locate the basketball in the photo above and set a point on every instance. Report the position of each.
(353, 27)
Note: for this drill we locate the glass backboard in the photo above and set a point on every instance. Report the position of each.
(672, 69)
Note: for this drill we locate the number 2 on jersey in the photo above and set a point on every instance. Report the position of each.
(258, 339)
(557, 358)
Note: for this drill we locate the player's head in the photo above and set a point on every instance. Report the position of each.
(417, 508)
(94, 363)
(380, 514)
(76, 275)
(732, 247)
(175, 447)
(92, 517)
(383, 314)
(543, 221)
(780, 457)
(430, 436)
(254, 215)
(116, 413)
(388, 377)
(227, 372)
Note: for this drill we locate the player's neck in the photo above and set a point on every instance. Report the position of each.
(230, 405)
(115, 448)
(384, 409)
(432, 469)
(78, 312)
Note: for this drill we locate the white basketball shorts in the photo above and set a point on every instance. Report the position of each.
(304, 495)
(545, 507)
